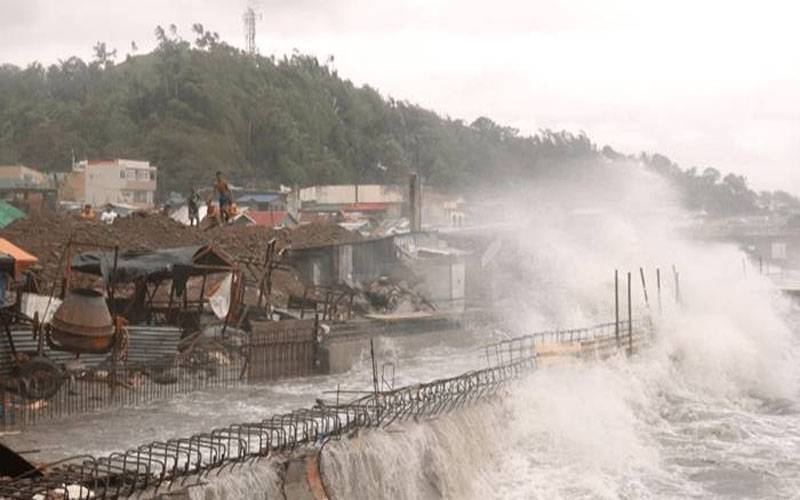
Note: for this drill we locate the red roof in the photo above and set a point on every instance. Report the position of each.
(367, 207)
(268, 218)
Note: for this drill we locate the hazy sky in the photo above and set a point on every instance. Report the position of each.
(706, 82)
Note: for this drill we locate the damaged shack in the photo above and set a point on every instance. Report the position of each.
(107, 341)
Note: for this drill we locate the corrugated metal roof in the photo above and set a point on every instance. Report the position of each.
(146, 344)
(258, 198)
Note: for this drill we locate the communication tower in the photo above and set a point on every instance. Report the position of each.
(250, 18)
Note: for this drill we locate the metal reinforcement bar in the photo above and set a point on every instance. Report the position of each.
(161, 465)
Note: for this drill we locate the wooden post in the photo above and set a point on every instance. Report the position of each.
(630, 318)
(644, 288)
(616, 306)
(658, 287)
(374, 374)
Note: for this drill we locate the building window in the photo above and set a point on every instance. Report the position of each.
(152, 176)
(142, 175)
(140, 196)
(122, 174)
(131, 173)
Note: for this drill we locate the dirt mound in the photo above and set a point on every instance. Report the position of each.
(45, 236)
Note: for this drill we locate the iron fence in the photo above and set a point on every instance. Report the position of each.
(99, 384)
(163, 464)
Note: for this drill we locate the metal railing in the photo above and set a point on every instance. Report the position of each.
(163, 464)
(101, 384)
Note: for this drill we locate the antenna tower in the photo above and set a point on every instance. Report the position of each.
(249, 18)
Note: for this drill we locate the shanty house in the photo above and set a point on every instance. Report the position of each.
(262, 201)
(345, 263)
(27, 188)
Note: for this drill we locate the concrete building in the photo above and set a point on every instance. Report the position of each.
(350, 193)
(349, 201)
(118, 182)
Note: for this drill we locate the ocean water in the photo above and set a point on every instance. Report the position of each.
(701, 413)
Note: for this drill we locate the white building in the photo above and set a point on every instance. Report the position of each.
(350, 193)
(118, 182)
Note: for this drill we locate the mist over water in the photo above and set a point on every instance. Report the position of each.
(710, 409)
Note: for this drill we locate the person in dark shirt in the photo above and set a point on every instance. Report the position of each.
(193, 203)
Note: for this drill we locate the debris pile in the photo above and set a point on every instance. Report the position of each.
(386, 295)
(46, 234)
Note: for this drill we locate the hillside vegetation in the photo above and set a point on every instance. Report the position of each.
(192, 108)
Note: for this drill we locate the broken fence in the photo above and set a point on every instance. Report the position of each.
(156, 370)
(162, 465)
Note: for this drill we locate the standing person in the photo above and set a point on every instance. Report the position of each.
(193, 203)
(224, 192)
(87, 213)
(109, 216)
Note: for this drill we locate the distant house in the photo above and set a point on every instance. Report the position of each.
(269, 218)
(352, 193)
(372, 200)
(262, 201)
(21, 176)
(443, 210)
(26, 187)
(118, 182)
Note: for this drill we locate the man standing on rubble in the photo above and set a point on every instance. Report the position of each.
(193, 204)
(224, 192)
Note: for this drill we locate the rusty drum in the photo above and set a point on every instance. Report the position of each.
(83, 324)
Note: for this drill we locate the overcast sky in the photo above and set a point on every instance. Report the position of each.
(705, 82)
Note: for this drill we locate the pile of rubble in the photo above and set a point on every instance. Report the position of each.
(386, 295)
(45, 235)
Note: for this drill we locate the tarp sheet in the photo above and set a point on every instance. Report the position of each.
(220, 300)
(9, 213)
(174, 263)
(7, 264)
(44, 305)
(13, 259)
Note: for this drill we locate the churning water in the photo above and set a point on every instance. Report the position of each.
(710, 410)
(660, 425)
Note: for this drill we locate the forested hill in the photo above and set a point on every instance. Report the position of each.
(194, 107)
